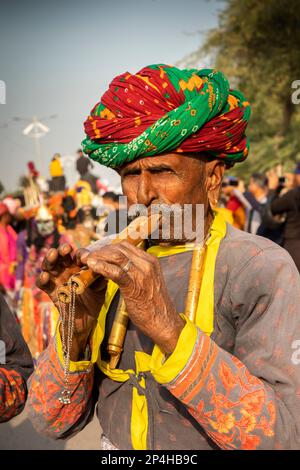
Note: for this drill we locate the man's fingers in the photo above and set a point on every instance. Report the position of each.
(50, 260)
(65, 250)
(142, 260)
(65, 255)
(45, 283)
(43, 279)
(137, 252)
(120, 254)
(82, 256)
(56, 259)
(108, 270)
(52, 256)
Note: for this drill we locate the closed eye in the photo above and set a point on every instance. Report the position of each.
(162, 169)
(131, 173)
(154, 170)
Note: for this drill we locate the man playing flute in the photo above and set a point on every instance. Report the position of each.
(230, 378)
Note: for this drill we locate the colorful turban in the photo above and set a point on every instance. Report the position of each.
(163, 109)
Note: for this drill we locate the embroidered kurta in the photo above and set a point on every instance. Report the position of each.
(238, 388)
(15, 365)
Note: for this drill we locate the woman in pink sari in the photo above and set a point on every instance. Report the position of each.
(8, 251)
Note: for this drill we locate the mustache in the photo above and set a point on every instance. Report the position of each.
(163, 208)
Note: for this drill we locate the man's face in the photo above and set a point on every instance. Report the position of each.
(167, 179)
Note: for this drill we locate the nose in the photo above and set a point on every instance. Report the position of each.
(146, 192)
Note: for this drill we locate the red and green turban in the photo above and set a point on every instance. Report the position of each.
(163, 109)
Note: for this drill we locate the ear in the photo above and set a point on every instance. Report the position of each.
(215, 171)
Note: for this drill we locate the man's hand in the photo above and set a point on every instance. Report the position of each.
(143, 288)
(57, 268)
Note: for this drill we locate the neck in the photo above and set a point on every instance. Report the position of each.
(208, 222)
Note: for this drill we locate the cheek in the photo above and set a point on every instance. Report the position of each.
(130, 189)
(168, 187)
(179, 190)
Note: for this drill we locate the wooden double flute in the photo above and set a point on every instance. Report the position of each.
(137, 231)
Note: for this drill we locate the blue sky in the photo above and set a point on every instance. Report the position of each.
(57, 57)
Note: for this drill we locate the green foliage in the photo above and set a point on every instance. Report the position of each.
(257, 45)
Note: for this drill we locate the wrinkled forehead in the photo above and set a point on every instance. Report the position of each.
(175, 161)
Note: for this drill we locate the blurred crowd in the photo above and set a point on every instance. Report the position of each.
(46, 214)
(269, 206)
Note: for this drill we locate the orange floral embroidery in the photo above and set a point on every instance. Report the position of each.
(224, 424)
(250, 442)
(228, 378)
(248, 421)
(12, 392)
(233, 406)
(254, 401)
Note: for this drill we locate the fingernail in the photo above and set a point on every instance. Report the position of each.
(84, 257)
(91, 262)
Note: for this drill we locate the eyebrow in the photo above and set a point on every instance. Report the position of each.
(153, 169)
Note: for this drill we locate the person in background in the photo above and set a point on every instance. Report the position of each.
(15, 365)
(58, 180)
(256, 204)
(22, 255)
(36, 313)
(256, 196)
(75, 233)
(8, 251)
(84, 199)
(32, 171)
(54, 204)
(13, 204)
(116, 219)
(297, 175)
(110, 200)
(84, 167)
(102, 186)
(288, 204)
(233, 202)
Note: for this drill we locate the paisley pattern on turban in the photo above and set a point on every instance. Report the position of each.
(163, 109)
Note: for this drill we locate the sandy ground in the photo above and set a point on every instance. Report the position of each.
(18, 434)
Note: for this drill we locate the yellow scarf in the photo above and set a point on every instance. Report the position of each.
(163, 371)
(143, 361)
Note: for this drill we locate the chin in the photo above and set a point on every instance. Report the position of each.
(157, 239)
